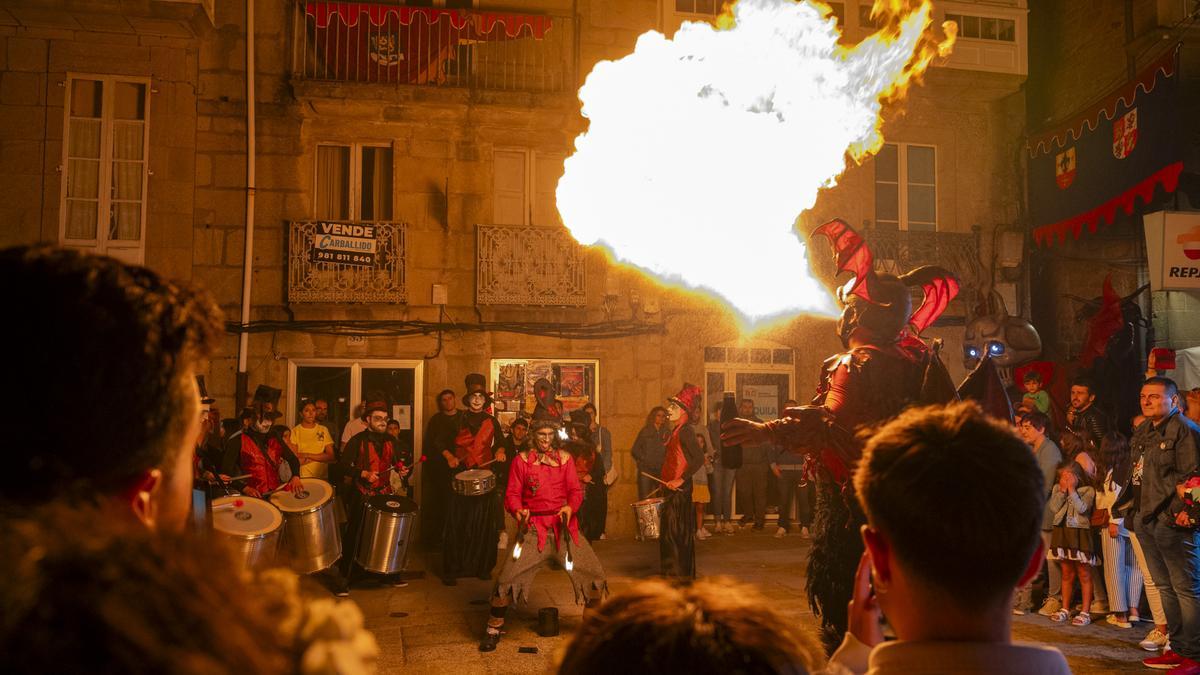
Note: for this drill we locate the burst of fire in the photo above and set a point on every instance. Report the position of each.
(703, 150)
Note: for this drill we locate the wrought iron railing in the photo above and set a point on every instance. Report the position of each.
(898, 251)
(395, 44)
(522, 265)
(346, 261)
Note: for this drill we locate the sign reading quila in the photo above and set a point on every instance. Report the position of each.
(1173, 250)
(344, 244)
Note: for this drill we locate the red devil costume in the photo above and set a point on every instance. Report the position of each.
(677, 531)
(887, 367)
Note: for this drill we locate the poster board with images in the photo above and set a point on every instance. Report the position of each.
(575, 383)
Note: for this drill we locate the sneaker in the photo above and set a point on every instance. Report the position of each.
(805, 534)
(1167, 661)
(1051, 606)
(747, 524)
(1134, 618)
(730, 528)
(603, 535)
(1188, 667)
(1099, 607)
(780, 533)
(341, 592)
(502, 542)
(1017, 611)
(1119, 623)
(1155, 640)
(397, 582)
(702, 534)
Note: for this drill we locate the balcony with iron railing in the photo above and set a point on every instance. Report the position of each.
(391, 44)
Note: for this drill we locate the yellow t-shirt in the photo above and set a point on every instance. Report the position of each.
(312, 441)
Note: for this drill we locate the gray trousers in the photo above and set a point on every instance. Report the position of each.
(752, 491)
(720, 487)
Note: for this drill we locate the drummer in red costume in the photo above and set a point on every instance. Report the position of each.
(266, 458)
(543, 493)
(368, 460)
(677, 539)
(471, 530)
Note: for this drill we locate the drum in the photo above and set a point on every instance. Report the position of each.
(474, 482)
(648, 515)
(386, 527)
(310, 533)
(252, 525)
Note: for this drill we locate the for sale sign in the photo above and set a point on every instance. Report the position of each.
(344, 244)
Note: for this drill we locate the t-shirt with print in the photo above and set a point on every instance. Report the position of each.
(312, 441)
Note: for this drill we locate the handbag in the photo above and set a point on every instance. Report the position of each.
(1099, 518)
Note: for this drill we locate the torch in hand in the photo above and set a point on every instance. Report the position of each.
(522, 528)
(569, 564)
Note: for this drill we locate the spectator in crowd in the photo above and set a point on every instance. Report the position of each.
(322, 407)
(1032, 429)
(701, 496)
(358, 422)
(603, 438)
(1077, 448)
(709, 627)
(794, 487)
(1083, 416)
(440, 432)
(404, 456)
(721, 479)
(649, 449)
(314, 444)
(517, 438)
(1035, 398)
(1072, 544)
(125, 343)
(1121, 572)
(1167, 443)
(948, 610)
(753, 475)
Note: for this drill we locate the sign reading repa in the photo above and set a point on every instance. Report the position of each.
(344, 244)
(1173, 250)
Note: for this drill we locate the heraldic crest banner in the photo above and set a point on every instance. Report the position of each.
(1118, 150)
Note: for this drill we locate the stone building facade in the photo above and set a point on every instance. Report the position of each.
(1081, 52)
(450, 146)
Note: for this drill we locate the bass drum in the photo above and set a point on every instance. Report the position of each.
(311, 539)
(387, 525)
(253, 526)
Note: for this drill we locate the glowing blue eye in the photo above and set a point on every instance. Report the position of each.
(972, 352)
(995, 348)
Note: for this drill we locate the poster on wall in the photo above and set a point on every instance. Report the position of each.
(573, 381)
(766, 399)
(1173, 250)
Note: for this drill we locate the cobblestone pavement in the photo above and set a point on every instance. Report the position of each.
(431, 628)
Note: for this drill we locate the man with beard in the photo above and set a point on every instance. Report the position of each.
(544, 494)
(435, 472)
(367, 462)
(470, 533)
(118, 346)
(262, 454)
(1083, 417)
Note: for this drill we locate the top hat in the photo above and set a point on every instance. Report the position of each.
(477, 384)
(204, 397)
(688, 398)
(375, 406)
(267, 394)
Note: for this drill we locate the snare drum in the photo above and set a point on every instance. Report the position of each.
(648, 515)
(386, 527)
(310, 532)
(254, 528)
(474, 482)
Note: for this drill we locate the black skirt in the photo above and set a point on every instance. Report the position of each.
(593, 510)
(469, 537)
(677, 535)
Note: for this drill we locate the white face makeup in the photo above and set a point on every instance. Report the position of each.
(545, 439)
(475, 402)
(674, 412)
(377, 422)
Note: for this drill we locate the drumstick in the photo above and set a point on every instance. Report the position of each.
(485, 464)
(654, 478)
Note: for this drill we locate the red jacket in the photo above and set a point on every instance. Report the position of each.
(544, 483)
(264, 475)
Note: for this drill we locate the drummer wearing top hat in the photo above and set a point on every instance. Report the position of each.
(677, 541)
(544, 495)
(268, 461)
(367, 462)
(473, 521)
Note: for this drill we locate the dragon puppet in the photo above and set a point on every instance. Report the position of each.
(886, 368)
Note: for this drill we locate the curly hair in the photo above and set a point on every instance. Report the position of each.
(84, 590)
(114, 345)
(712, 626)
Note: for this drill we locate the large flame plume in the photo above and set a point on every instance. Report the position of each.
(703, 150)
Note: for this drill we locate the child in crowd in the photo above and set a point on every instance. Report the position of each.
(1121, 572)
(1077, 449)
(1072, 544)
(700, 494)
(1035, 398)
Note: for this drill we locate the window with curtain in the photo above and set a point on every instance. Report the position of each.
(354, 182)
(105, 172)
(906, 187)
